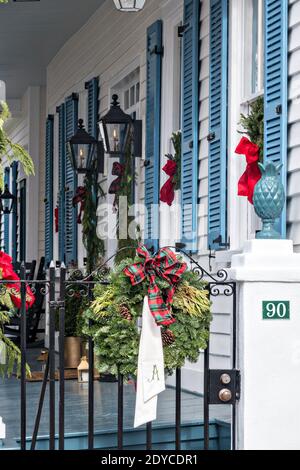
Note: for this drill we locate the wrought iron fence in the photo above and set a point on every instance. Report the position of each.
(214, 384)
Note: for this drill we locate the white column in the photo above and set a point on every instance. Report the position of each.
(268, 413)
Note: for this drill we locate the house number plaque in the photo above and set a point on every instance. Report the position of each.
(276, 309)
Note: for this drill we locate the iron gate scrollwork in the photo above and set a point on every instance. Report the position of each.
(220, 386)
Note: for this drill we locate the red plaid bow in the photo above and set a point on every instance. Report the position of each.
(164, 265)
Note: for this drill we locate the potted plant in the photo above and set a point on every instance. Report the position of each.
(75, 303)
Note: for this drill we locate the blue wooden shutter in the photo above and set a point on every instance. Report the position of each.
(153, 115)
(71, 123)
(61, 180)
(14, 228)
(6, 216)
(49, 190)
(93, 106)
(217, 162)
(189, 124)
(276, 77)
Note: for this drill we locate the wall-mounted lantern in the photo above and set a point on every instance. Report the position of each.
(84, 150)
(117, 128)
(129, 5)
(7, 201)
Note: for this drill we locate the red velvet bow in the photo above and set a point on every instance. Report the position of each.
(252, 173)
(56, 219)
(79, 198)
(117, 170)
(14, 287)
(167, 192)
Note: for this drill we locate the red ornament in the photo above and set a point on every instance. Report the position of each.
(14, 287)
(167, 192)
(252, 174)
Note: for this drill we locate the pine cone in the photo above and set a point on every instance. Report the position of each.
(125, 312)
(168, 337)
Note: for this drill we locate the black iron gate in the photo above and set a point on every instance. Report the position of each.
(220, 386)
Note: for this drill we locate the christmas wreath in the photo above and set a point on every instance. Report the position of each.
(178, 301)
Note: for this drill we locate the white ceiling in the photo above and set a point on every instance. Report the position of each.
(32, 33)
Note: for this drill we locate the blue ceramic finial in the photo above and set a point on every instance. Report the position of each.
(268, 199)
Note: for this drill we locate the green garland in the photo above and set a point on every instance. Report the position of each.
(117, 338)
(253, 124)
(93, 244)
(127, 246)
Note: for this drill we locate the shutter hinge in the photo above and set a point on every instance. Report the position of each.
(211, 136)
(278, 109)
(181, 29)
(218, 240)
(158, 50)
(147, 163)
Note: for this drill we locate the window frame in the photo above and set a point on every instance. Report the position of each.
(248, 95)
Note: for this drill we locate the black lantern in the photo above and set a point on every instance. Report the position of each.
(84, 150)
(115, 128)
(7, 201)
(129, 5)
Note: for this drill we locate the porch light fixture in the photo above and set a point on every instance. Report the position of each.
(129, 5)
(84, 150)
(117, 128)
(7, 201)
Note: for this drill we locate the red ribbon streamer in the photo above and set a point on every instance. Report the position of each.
(167, 192)
(79, 198)
(56, 219)
(252, 173)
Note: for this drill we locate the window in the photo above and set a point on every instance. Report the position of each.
(131, 98)
(253, 48)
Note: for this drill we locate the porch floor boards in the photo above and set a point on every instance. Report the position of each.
(76, 407)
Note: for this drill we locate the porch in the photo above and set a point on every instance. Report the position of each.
(106, 416)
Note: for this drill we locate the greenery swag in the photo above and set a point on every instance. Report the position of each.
(114, 317)
(93, 244)
(253, 124)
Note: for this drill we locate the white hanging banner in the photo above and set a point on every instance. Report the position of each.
(151, 374)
